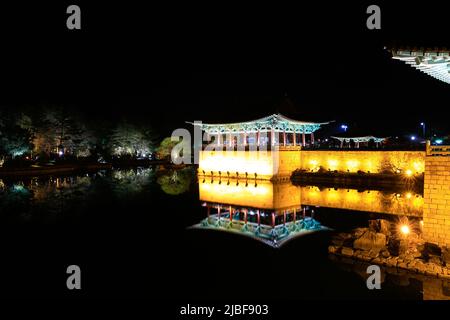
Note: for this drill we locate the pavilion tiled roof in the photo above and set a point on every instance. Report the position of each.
(433, 62)
(277, 122)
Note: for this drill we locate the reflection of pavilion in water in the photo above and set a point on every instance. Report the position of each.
(277, 211)
(267, 211)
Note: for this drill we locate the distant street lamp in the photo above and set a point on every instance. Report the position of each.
(344, 126)
(423, 128)
(413, 138)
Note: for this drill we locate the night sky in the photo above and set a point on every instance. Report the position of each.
(169, 63)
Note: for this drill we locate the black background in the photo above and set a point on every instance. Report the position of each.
(170, 63)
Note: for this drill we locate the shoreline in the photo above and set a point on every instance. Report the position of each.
(381, 245)
(71, 168)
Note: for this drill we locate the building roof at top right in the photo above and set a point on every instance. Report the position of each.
(435, 63)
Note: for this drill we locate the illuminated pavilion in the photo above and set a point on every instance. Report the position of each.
(435, 63)
(272, 130)
(358, 140)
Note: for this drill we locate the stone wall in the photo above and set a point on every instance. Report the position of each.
(288, 162)
(436, 208)
(250, 162)
(282, 163)
(266, 164)
(366, 161)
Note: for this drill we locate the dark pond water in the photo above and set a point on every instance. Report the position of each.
(129, 231)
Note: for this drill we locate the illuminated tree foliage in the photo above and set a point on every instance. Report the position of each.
(55, 131)
(165, 148)
(15, 140)
(57, 128)
(130, 140)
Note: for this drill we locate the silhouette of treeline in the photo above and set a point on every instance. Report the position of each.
(53, 131)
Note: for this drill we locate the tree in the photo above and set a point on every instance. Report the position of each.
(131, 140)
(56, 128)
(165, 148)
(15, 141)
(175, 182)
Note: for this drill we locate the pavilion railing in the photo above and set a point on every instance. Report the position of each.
(254, 148)
(437, 150)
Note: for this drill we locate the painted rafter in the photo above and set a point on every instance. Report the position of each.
(276, 122)
(435, 64)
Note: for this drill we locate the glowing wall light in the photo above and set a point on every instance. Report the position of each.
(352, 165)
(333, 164)
(404, 229)
(419, 166)
(314, 165)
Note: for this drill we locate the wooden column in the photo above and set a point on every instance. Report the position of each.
(295, 214)
(218, 139)
(272, 137)
(294, 138)
(208, 210)
(312, 137)
(303, 140)
(229, 139)
(273, 220)
(245, 216)
(258, 138)
(284, 138)
(284, 217)
(245, 138)
(231, 214)
(259, 217)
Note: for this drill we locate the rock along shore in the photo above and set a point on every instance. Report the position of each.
(383, 244)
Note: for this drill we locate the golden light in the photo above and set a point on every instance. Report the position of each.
(314, 164)
(421, 223)
(332, 164)
(404, 229)
(408, 195)
(265, 195)
(419, 166)
(352, 165)
(262, 163)
(408, 173)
